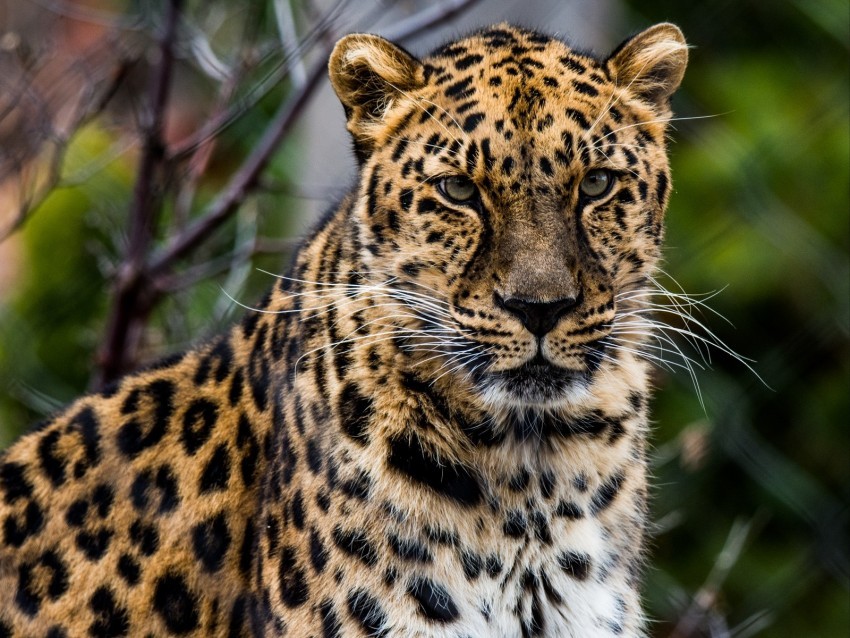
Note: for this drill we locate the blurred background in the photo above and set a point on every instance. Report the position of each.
(155, 154)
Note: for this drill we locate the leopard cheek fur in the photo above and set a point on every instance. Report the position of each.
(435, 425)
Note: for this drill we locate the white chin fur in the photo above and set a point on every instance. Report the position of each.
(497, 397)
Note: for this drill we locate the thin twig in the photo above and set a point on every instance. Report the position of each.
(218, 123)
(702, 607)
(428, 18)
(248, 174)
(201, 154)
(82, 115)
(242, 182)
(288, 40)
(172, 283)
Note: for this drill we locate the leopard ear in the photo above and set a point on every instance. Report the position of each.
(652, 63)
(372, 77)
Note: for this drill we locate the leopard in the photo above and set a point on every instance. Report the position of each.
(435, 424)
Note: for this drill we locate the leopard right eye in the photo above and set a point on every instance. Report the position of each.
(459, 190)
(596, 183)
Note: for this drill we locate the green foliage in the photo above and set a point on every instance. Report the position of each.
(51, 324)
(760, 210)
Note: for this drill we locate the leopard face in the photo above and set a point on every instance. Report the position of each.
(521, 186)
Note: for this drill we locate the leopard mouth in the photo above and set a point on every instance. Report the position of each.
(539, 377)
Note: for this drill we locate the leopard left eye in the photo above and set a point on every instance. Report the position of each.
(458, 189)
(596, 183)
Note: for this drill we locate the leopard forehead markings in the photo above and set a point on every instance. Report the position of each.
(437, 425)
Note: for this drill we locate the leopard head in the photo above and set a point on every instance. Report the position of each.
(512, 194)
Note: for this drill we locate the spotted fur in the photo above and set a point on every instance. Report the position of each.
(434, 425)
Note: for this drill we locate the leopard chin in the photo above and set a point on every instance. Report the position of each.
(537, 384)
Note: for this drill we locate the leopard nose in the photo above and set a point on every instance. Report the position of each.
(539, 317)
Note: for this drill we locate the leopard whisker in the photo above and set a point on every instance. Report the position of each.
(608, 157)
(420, 301)
(378, 337)
(657, 330)
(459, 361)
(708, 339)
(686, 363)
(660, 120)
(641, 316)
(660, 347)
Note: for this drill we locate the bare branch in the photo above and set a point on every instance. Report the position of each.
(244, 179)
(289, 39)
(247, 176)
(51, 143)
(428, 18)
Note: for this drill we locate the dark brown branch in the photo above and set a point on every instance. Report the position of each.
(133, 297)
